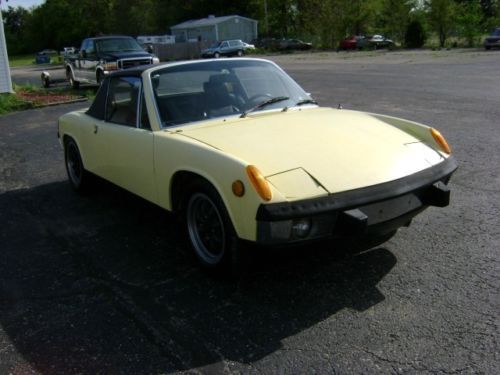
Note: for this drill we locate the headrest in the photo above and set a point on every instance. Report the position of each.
(221, 78)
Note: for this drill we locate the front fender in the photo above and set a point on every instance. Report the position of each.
(175, 153)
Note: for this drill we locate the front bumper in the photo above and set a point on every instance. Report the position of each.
(492, 42)
(373, 210)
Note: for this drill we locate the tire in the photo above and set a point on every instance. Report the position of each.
(77, 175)
(99, 77)
(216, 55)
(74, 84)
(45, 81)
(210, 231)
(487, 48)
(239, 53)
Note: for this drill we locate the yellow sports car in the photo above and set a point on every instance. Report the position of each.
(244, 153)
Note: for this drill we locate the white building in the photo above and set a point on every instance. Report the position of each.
(156, 39)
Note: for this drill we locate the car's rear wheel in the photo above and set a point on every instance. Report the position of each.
(77, 175)
(239, 53)
(209, 229)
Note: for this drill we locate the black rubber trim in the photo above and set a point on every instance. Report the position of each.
(357, 197)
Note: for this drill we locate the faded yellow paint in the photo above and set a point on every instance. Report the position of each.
(304, 153)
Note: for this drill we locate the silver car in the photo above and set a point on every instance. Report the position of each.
(224, 48)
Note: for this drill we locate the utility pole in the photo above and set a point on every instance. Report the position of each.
(266, 19)
(5, 81)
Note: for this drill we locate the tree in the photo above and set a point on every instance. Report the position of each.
(16, 20)
(415, 34)
(396, 15)
(469, 20)
(442, 15)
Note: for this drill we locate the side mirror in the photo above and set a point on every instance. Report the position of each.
(83, 53)
(150, 48)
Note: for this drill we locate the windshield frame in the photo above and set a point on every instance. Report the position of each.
(228, 66)
(99, 45)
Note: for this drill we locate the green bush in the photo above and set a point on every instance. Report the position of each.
(415, 35)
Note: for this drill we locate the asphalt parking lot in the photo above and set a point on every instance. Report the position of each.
(102, 283)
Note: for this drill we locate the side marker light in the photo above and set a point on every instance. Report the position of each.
(259, 183)
(438, 137)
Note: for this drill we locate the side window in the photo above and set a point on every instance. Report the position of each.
(122, 104)
(89, 47)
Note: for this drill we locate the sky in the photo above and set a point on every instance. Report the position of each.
(21, 3)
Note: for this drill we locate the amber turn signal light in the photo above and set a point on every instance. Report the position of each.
(259, 183)
(238, 188)
(438, 137)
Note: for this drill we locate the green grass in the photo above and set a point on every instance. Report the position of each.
(24, 60)
(21, 60)
(11, 103)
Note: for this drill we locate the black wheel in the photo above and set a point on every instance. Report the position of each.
(45, 81)
(74, 84)
(487, 48)
(77, 175)
(239, 53)
(99, 77)
(216, 55)
(209, 229)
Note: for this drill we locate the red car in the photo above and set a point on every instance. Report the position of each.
(351, 42)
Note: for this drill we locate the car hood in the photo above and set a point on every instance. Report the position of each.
(334, 150)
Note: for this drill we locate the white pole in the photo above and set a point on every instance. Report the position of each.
(5, 81)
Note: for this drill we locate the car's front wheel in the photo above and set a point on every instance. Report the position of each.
(72, 82)
(216, 55)
(77, 175)
(209, 229)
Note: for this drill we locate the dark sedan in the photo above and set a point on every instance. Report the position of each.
(493, 40)
(290, 44)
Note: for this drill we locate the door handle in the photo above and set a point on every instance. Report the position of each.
(95, 129)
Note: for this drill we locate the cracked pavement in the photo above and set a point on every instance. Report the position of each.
(103, 284)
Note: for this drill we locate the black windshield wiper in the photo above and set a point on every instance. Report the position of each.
(306, 101)
(301, 102)
(264, 103)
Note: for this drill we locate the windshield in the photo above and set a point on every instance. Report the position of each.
(496, 32)
(221, 88)
(117, 45)
(215, 45)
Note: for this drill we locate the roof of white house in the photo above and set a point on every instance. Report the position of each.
(209, 21)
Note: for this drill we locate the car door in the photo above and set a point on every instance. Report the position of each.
(88, 61)
(224, 48)
(123, 141)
